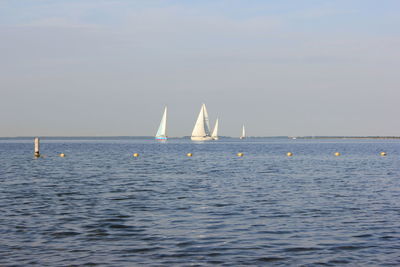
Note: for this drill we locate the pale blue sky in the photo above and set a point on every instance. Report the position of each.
(93, 67)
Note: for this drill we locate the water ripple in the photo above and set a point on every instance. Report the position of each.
(165, 209)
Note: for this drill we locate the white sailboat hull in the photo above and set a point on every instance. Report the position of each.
(201, 130)
(201, 138)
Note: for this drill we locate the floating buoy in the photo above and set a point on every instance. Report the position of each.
(289, 154)
(240, 154)
(136, 155)
(62, 155)
(189, 154)
(337, 154)
(383, 154)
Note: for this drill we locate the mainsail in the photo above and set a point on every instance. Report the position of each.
(214, 134)
(201, 130)
(243, 133)
(162, 129)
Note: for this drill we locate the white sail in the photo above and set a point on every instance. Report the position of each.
(243, 133)
(162, 129)
(206, 120)
(201, 130)
(214, 134)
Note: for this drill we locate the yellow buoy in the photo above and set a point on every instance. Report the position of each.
(289, 154)
(383, 154)
(62, 155)
(337, 154)
(240, 154)
(136, 155)
(189, 154)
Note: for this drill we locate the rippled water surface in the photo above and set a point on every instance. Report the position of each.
(101, 206)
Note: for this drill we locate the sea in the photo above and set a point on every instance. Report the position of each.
(100, 206)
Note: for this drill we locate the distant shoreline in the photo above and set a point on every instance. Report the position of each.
(188, 137)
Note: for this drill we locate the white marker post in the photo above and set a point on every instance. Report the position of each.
(37, 153)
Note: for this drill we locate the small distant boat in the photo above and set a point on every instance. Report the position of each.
(201, 130)
(162, 129)
(214, 134)
(243, 136)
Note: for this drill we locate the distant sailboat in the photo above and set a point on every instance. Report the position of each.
(214, 134)
(243, 136)
(201, 130)
(162, 129)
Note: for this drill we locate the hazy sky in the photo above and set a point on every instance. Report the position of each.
(97, 67)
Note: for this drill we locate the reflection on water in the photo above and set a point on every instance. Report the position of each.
(99, 205)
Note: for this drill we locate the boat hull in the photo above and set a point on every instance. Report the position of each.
(161, 138)
(201, 138)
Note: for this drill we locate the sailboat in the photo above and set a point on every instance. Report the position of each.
(162, 129)
(243, 136)
(201, 130)
(214, 134)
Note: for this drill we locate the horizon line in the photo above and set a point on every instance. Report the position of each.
(188, 136)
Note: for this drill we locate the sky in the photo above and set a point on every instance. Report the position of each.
(288, 67)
